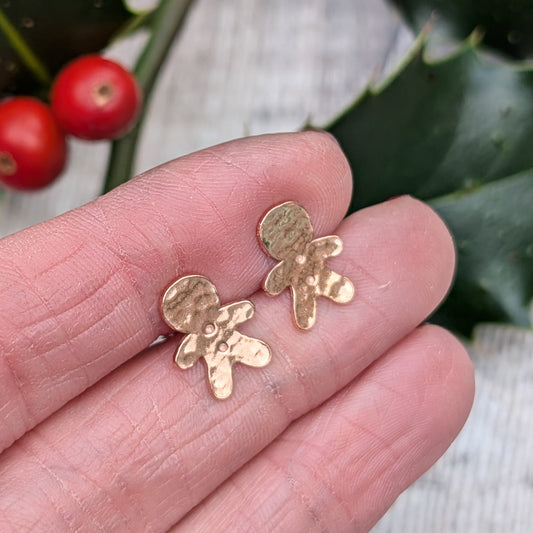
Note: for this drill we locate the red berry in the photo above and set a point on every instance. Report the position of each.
(32, 146)
(95, 98)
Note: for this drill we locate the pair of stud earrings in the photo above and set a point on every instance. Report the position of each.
(191, 304)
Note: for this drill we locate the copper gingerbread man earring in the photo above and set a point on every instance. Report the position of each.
(191, 305)
(286, 234)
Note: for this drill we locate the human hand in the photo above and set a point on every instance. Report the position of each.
(101, 433)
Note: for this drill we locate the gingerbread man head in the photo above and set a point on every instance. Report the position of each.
(190, 304)
(286, 231)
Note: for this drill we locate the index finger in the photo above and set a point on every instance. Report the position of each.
(81, 292)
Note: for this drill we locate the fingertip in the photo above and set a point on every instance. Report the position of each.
(433, 235)
(441, 378)
(323, 144)
(452, 371)
(401, 259)
(428, 242)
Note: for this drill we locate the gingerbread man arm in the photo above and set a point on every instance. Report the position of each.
(236, 313)
(220, 377)
(188, 352)
(324, 247)
(336, 287)
(276, 280)
(304, 305)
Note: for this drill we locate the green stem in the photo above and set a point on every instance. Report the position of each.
(168, 18)
(26, 54)
(138, 21)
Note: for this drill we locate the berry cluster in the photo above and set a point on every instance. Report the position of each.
(92, 98)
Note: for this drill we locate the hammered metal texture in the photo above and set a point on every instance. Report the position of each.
(286, 234)
(191, 305)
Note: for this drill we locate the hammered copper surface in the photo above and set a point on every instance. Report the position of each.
(191, 305)
(286, 234)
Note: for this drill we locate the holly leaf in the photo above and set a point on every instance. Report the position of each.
(508, 25)
(56, 31)
(452, 132)
(493, 230)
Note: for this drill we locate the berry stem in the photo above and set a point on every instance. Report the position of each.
(167, 21)
(22, 48)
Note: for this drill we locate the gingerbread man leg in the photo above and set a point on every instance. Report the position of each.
(252, 352)
(304, 305)
(336, 287)
(220, 377)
